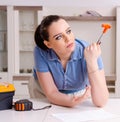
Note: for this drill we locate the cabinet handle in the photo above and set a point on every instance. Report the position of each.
(24, 83)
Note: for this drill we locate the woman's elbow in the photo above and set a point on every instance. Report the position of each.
(102, 102)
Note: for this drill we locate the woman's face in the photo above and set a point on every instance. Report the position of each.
(61, 38)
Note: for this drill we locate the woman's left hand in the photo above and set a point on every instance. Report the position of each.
(92, 52)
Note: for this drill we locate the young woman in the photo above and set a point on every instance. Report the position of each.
(68, 70)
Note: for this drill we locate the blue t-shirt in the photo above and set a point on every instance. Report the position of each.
(75, 77)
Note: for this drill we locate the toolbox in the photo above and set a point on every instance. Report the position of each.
(6, 95)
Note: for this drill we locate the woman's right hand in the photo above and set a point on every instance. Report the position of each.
(79, 99)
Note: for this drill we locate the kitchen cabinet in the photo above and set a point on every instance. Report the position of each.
(3, 44)
(26, 20)
(17, 26)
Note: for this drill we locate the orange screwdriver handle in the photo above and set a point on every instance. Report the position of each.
(106, 27)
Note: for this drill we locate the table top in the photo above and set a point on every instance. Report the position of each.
(46, 115)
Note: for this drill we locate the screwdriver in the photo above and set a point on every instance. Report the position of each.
(105, 28)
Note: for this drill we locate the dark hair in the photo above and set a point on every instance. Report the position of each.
(41, 32)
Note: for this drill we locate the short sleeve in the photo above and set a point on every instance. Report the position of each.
(40, 62)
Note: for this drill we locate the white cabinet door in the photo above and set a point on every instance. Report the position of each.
(3, 77)
(3, 44)
(26, 20)
(21, 89)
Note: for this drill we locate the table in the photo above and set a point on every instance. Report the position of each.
(113, 106)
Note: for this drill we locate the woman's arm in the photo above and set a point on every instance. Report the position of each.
(56, 97)
(99, 91)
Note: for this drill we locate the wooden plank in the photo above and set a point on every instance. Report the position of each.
(27, 77)
(110, 77)
(21, 77)
(91, 18)
(3, 8)
(28, 7)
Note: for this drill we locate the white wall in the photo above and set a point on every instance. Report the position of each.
(68, 7)
(75, 3)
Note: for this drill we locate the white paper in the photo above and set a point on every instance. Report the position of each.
(85, 116)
